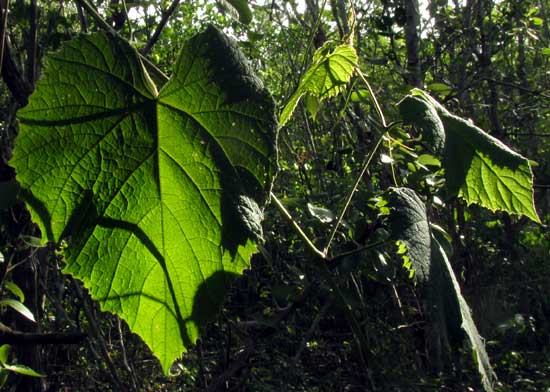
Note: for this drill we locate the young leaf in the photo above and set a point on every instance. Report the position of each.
(4, 353)
(454, 313)
(325, 78)
(15, 290)
(24, 370)
(158, 195)
(481, 169)
(409, 225)
(18, 307)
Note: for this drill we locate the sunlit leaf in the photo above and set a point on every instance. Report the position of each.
(24, 370)
(326, 77)
(18, 307)
(157, 194)
(481, 169)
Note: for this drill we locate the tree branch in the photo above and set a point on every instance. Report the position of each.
(9, 336)
(154, 38)
(19, 87)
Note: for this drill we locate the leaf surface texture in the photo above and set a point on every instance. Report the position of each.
(158, 194)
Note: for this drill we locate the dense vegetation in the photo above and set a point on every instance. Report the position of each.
(393, 232)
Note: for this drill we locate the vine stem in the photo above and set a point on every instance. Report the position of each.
(297, 227)
(351, 194)
(373, 96)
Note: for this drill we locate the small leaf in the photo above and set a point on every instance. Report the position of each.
(18, 307)
(384, 158)
(360, 96)
(24, 370)
(545, 51)
(324, 215)
(422, 116)
(428, 160)
(454, 314)
(4, 353)
(409, 225)
(15, 290)
(440, 88)
(326, 77)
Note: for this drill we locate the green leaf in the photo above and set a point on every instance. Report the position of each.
(15, 290)
(454, 314)
(545, 51)
(158, 195)
(439, 88)
(481, 169)
(423, 117)
(242, 9)
(326, 77)
(322, 214)
(18, 307)
(4, 353)
(24, 370)
(409, 225)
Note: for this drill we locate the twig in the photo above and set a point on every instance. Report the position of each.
(105, 26)
(10, 336)
(373, 96)
(5, 6)
(33, 43)
(352, 193)
(298, 229)
(94, 329)
(81, 18)
(154, 38)
(312, 329)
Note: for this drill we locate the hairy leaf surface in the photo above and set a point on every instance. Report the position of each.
(423, 116)
(481, 169)
(409, 225)
(326, 77)
(157, 194)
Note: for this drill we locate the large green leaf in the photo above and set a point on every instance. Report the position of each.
(409, 225)
(481, 169)
(326, 77)
(454, 314)
(158, 195)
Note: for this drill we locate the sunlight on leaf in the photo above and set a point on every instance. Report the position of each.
(326, 77)
(158, 194)
(481, 169)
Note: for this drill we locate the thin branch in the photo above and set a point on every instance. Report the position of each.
(81, 18)
(516, 86)
(352, 193)
(18, 86)
(298, 229)
(154, 38)
(10, 336)
(4, 5)
(105, 26)
(373, 96)
(32, 47)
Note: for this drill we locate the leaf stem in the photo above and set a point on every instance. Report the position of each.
(373, 96)
(105, 26)
(350, 196)
(298, 229)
